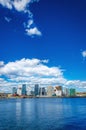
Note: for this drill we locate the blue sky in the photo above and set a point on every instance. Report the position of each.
(50, 30)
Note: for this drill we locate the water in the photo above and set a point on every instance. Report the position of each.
(43, 114)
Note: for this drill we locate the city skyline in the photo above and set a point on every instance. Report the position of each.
(42, 42)
(39, 91)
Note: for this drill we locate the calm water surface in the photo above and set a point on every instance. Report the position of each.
(43, 114)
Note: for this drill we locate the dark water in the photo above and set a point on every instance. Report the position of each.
(43, 114)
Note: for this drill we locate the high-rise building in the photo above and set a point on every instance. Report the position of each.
(14, 90)
(42, 91)
(19, 91)
(24, 92)
(36, 90)
(50, 91)
(66, 92)
(72, 92)
(58, 90)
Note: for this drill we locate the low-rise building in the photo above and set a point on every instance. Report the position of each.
(3, 95)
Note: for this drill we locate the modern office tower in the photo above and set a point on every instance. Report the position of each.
(14, 91)
(66, 92)
(58, 90)
(42, 91)
(19, 91)
(72, 92)
(36, 90)
(24, 92)
(28, 92)
(50, 91)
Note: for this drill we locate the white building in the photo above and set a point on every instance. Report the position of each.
(50, 91)
(19, 90)
(58, 91)
(28, 91)
(66, 91)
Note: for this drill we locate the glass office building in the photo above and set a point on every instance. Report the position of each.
(36, 90)
(24, 92)
(14, 91)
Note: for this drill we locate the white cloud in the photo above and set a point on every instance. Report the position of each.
(19, 5)
(1, 63)
(33, 31)
(22, 6)
(83, 54)
(30, 22)
(6, 3)
(31, 71)
(29, 67)
(45, 61)
(76, 83)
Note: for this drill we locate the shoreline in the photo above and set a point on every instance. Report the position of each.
(42, 97)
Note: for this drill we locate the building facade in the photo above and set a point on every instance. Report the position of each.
(72, 92)
(42, 91)
(50, 91)
(14, 91)
(24, 92)
(66, 92)
(36, 90)
(58, 91)
(19, 91)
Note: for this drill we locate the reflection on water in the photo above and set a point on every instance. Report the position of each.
(43, 114)
(18, 110)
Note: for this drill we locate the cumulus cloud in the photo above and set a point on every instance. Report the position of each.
(6, 3)
(29, 23)
(83, 54)
(32, 71)
(23, 6)
(1, 63)
(33, 31)
(20, 5)
(76, 83)
(29, 67)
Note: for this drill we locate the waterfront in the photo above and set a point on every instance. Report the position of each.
(43, 114)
